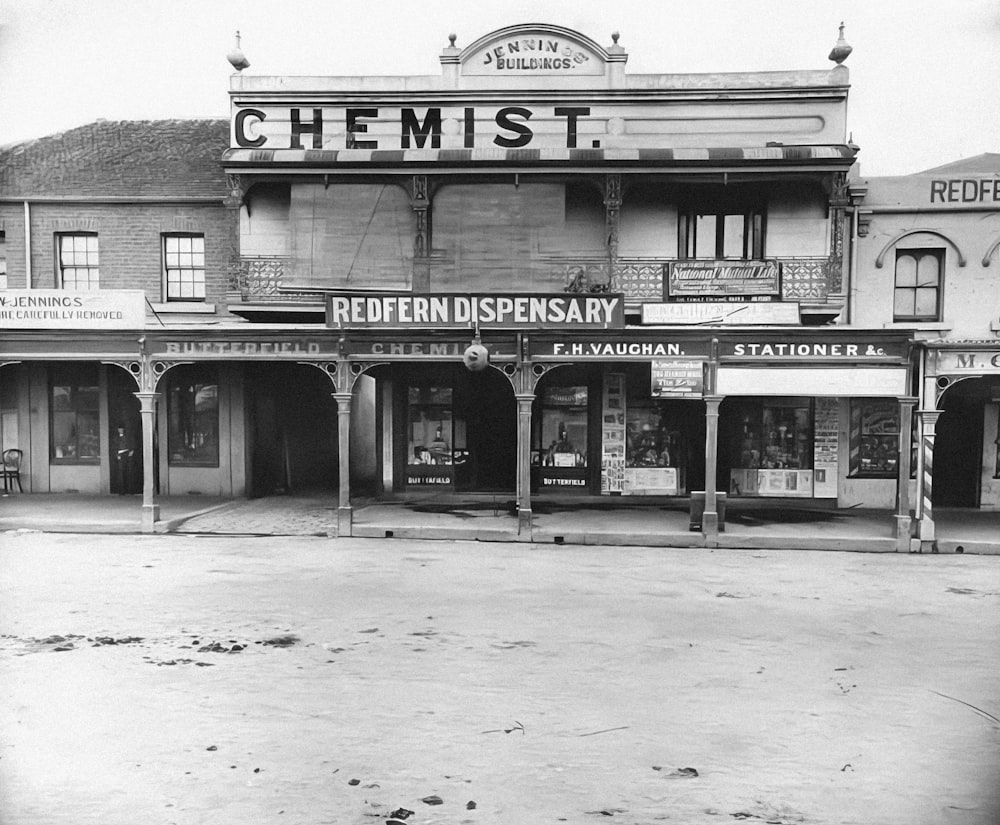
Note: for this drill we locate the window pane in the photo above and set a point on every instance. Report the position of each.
(926, 303)
(564, 427)
(704, 236)
(927, 271)
(193, 419)
(734, 236)
(902, 306)
(73, 399)
(906, 271)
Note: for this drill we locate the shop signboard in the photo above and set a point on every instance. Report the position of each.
(493, 311)
(722, 313)
(839, 349)
(676, 377)
(263, 346)
(723, 281)
(99, 309)
(634, 348)
(968, 362)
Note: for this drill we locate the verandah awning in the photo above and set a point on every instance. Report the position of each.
(765, 156)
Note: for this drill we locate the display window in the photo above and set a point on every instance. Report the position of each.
(193, 417)
(646, 442)
(73, 402)
(772, 448)
(562, 436)
(430, 434)
(874, 438)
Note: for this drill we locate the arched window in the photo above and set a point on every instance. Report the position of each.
(917, 294)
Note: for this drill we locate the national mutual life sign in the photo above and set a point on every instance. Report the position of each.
(723, 281)
(541, 311)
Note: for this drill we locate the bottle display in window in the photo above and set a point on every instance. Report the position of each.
(562, 436)
(429, 435)
(564, 427)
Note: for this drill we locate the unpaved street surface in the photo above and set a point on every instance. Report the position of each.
(249, 681)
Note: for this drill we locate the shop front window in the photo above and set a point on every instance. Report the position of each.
(75, 423)
(874, 438)
(655, 452)
(430, 434)
(193, 418)
(562, 437)
(564, 427)
(773, 448)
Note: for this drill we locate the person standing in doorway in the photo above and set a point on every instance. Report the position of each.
(123, 461)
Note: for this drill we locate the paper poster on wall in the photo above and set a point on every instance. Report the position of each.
(827, 425)
(613, 434)
(650, 481)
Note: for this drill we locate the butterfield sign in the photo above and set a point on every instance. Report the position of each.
(65, 309)
(483, 311)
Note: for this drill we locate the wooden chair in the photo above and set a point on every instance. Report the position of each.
(11, 470)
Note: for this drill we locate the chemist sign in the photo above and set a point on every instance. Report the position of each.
(70, 309)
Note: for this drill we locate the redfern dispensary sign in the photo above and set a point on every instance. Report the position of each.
(479, 311)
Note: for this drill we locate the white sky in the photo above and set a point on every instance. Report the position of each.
(924, 73)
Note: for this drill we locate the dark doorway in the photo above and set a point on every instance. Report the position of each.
(124, 434)
(958, 445)
(292, 429)
(486, 407)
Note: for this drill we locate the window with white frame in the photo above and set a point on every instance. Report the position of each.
(917, 292)
(78, 261)
(184, 267)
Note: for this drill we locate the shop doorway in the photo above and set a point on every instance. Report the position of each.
(958, 445)
(457, 430)
(124, 435)
(485, 405)
(291, 430)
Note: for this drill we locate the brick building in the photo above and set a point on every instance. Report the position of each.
(106, 230)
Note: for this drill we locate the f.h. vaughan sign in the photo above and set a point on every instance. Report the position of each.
(557, 311)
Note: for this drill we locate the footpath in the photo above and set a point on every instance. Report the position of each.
(748, 525)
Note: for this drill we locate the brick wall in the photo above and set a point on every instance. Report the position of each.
(129, 242)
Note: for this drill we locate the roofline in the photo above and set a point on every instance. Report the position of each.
(167, 199)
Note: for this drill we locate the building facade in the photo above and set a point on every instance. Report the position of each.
(927, 260)
(652, 271)
(531, 275)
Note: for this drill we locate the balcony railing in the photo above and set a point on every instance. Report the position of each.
(806, 280)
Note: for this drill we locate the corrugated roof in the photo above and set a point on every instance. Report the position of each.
(122, 158)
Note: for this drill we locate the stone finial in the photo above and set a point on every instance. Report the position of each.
(614, 37)
(451, 40)
(841, 50)
(237, 58)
